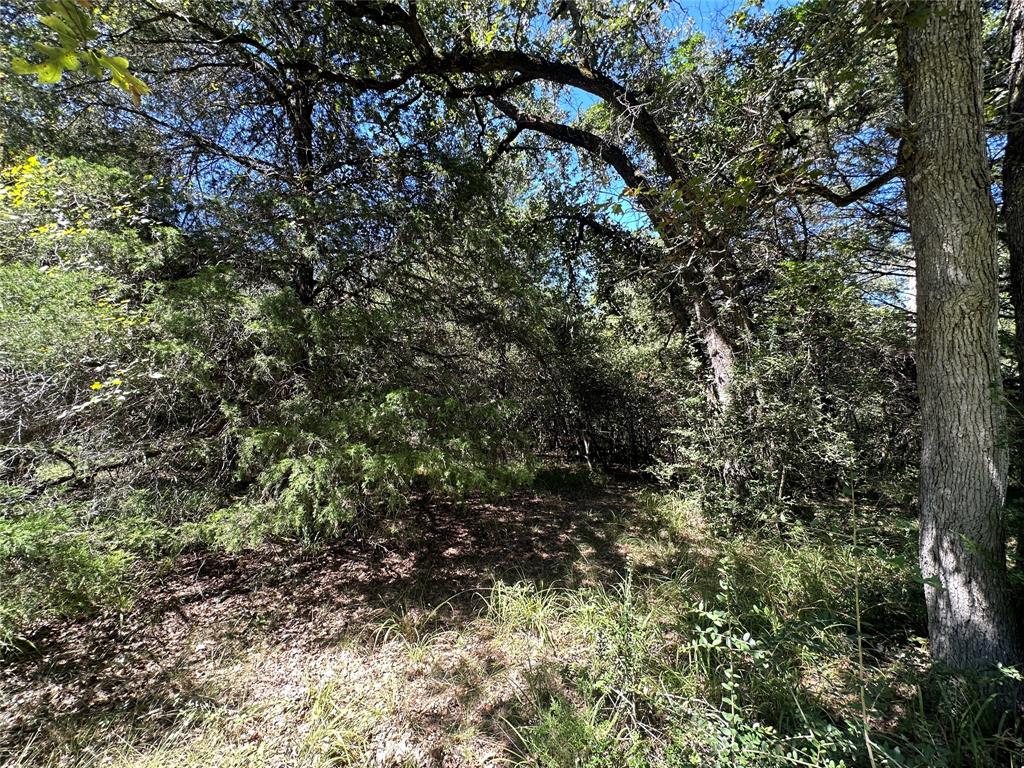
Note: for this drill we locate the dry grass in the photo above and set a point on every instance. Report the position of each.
(603, 626)
(353, 654)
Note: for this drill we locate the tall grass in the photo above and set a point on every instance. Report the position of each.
(708, 650)
(745, 652)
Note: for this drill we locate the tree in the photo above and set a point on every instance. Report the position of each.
(963, 449)
(698, 148)
(710, 144)
(503, 66)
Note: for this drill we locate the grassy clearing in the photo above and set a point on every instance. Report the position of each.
(744, 651)
(702, 651)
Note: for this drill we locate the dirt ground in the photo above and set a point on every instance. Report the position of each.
(366, 635)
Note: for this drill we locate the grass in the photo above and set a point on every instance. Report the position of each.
(744, 651)
(704, 650)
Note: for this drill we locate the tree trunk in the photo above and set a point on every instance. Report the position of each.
(1013, 218)
(963, 453)
(697, 312)
(719, 350)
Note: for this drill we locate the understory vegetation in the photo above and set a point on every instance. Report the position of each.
(694, 649)
(552, 384)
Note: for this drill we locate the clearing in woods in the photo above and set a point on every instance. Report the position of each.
(370, 652)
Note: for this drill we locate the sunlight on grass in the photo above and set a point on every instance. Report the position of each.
(705, 651)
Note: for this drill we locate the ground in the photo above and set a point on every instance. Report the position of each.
(603, 624)
(363, 652)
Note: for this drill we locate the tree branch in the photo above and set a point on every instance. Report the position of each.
(592, 143)
(840, 200)
(530, 67)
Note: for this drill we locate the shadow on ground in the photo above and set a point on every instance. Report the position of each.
(157, 660)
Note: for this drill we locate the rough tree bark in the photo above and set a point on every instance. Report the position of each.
(694, 311)
(971, 624)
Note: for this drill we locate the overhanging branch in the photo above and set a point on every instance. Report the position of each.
(464, 60)
(592, 143)
(843, 199)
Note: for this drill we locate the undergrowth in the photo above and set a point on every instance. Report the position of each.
(744, 652)
(758, 650)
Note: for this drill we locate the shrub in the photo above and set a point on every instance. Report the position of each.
(54, 566)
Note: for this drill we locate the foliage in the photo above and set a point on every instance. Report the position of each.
(73, 22)
(139, 365)
(347, 261)
(55, 567)
(317, 470)
(745, 655)
(827, 397)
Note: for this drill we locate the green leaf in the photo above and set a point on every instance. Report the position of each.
(121, 78)
(22, 67)
(72, 23)
(68, 37)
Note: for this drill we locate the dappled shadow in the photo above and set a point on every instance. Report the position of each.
(160, 658)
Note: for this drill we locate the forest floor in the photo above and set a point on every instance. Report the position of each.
(367, 653)
(601, 625)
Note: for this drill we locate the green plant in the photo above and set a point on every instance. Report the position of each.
(55, 566)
